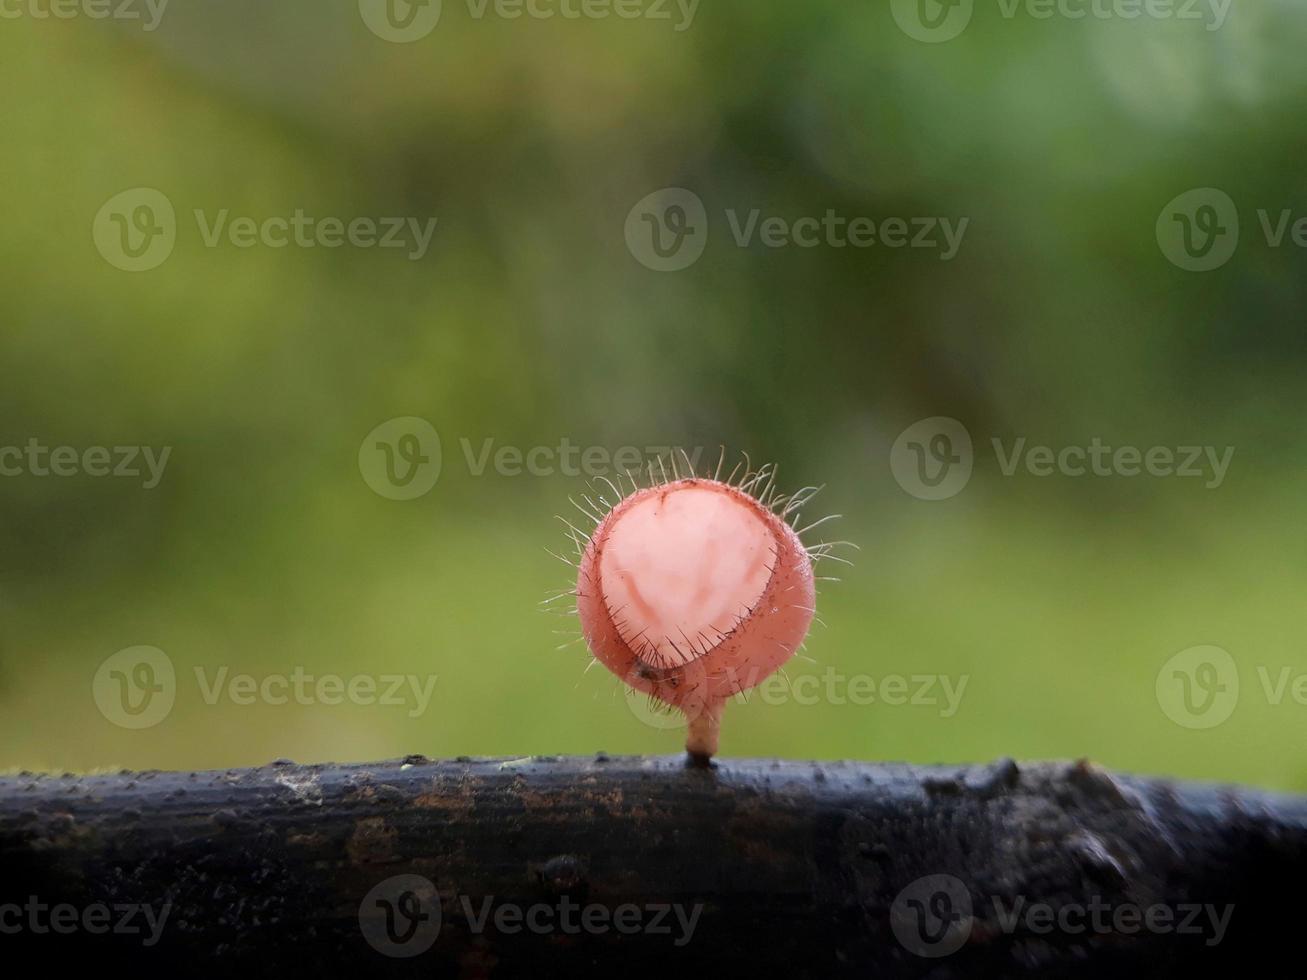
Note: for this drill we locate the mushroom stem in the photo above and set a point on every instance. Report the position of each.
(704, 727)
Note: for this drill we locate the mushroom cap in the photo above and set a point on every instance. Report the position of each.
(693, 591)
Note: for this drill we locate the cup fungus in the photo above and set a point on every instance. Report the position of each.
(692, 590)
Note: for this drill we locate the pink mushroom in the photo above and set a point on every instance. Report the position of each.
(694, 590)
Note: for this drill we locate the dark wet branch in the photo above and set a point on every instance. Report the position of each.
(631, 867)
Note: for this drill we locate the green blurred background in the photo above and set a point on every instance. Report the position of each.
(529, 321)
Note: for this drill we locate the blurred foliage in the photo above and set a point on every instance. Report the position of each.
(530, 322)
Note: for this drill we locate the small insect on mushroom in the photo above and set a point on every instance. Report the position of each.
(692, 589)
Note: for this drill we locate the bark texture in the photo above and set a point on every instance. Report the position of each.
(549, 866)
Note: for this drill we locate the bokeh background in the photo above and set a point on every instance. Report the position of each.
(530, 321)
